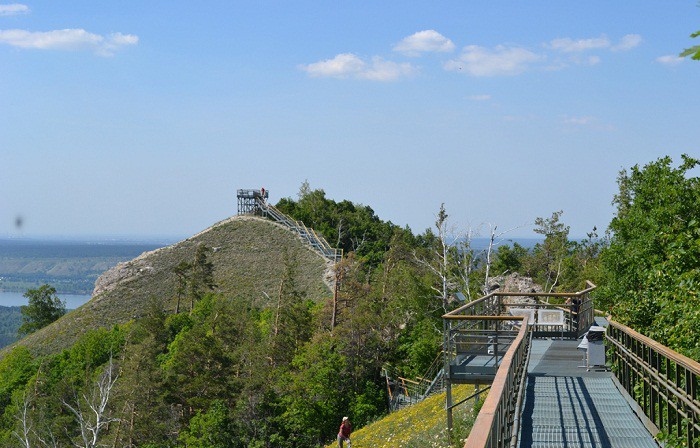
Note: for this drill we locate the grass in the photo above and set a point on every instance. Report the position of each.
(422, 425)
(248, 262)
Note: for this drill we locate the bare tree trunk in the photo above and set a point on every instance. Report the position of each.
(336, 289)
(93, 421)
(488, 259)
(25, 422)
(279, 305)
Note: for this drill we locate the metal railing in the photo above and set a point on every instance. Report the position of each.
(486, 326)
(577, 311)
(308, 234)
(403, 391)
(497, 424)
(664, 383)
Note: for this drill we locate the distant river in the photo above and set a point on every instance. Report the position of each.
(16, 299)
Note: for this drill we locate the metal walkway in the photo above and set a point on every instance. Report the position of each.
(568, 406)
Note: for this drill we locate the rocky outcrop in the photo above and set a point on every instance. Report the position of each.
(515, 283)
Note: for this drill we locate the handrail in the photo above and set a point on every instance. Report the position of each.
(493, 426)
(498, 422)
(665, 384)
(316, 241)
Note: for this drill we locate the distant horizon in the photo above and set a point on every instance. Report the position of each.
(170, 239)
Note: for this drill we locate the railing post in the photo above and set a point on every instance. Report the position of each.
(446, 330)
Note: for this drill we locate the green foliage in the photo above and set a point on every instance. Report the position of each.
(314, 394)
(10, 321)
(15, 371)
(345, 225)
(694, 51)
(44, 308)
(547, 257)
(509, 259)
(210, 429)
(652, 266)
(201, 275)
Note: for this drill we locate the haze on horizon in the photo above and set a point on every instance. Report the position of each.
(139, 120)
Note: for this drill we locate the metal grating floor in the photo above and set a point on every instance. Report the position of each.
(566, 406)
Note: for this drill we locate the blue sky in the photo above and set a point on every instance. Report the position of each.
(143, 118)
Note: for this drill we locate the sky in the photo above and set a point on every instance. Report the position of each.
(142, 119)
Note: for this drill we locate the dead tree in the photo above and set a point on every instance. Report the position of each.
(90, 411)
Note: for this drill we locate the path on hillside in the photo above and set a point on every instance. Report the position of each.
(567, 406)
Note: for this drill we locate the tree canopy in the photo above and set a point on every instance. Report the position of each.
(652, 265)
(694, 51)
(44, 308)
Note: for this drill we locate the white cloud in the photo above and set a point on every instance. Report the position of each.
(480, 61)
(670, 60)
(382, 70)
(13, 9)
(580, 121)
(480, 97)
(348, 65)
(424, 41)
(67, 40)
(628, 42)
(568, 45)
(341, 66)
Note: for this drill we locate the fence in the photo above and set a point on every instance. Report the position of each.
(497, 424)
(487, 326)
(664, 383)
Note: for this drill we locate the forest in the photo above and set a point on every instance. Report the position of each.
(228, 372)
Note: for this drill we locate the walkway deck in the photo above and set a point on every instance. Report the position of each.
(567, 406)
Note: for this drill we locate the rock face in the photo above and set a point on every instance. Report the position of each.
(515, 283)
(122, 272)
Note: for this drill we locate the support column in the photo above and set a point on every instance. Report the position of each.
(446, 374)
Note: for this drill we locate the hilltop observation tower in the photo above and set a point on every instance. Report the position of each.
(250, 201)
(254, 202)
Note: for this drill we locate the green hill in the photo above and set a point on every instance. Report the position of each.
(248, 255)
(420, 425)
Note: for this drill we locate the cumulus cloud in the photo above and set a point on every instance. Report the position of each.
(502, 60)
(381, 70)
(628, 42)
(341, 66)
(348, 65)
(568, 45)
(670, 60)
(424, 42)
(13, 9)
(67, 40)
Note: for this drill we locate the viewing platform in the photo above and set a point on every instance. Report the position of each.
(556, 381)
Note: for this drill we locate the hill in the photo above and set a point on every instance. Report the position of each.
(248, 256)
(420, 425)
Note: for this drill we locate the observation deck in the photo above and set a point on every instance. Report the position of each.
(547, 390)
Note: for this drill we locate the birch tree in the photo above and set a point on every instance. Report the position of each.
(91, 409)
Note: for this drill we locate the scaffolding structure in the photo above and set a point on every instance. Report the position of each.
(249, 201)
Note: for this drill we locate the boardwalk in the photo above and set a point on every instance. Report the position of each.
(566, 406)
